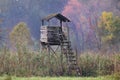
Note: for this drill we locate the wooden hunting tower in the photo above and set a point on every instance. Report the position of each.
(54, 35)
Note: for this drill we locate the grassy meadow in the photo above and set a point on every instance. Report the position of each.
(56, 78)
(23, 58)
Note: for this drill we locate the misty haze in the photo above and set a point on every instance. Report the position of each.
(73, 39)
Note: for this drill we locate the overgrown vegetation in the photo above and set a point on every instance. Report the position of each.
(93, 64)
(36, 64)
(23, 61)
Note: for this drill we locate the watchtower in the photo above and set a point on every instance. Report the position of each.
(54, 35)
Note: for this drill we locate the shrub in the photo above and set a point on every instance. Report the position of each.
(93, 64)
(87, 63)
(115, 76)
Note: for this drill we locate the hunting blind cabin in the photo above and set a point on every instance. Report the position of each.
(52, 35)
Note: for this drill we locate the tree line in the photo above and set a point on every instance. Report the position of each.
(20, 58)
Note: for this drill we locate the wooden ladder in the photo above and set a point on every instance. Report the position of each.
(71, 59)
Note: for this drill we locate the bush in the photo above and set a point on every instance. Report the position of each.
(93, 64)
(87, 63)
(117, 63)
(115, 76)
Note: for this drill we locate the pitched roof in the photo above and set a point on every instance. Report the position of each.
(58, 16)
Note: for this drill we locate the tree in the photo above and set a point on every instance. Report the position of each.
(109, 28)
(20, 36)
(116, 32)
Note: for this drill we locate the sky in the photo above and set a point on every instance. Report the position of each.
(82, 13)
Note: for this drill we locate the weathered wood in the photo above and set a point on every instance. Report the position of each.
(59, 35)
(58, 16)
(50, 34)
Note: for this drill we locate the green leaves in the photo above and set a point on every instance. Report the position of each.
(109, 27)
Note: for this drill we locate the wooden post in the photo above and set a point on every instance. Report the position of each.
(49, 58)
(61, 45)
(42, 22)
(68, 51)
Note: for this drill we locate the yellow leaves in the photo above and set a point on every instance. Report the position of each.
(106, 21)
(108, 37)
(109, 26)
(20, 34)
(106, 15)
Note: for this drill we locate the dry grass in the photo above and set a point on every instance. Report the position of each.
(57, 78)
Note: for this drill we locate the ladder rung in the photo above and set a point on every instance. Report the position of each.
(72, 60)
(70, 53)
(73, 67)
(71, 56)
(66, 42)
(73, 63)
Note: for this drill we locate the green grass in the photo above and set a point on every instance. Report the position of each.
(55, 78)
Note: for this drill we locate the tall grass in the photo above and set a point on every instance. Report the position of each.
(98, 64)
(29, 63)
